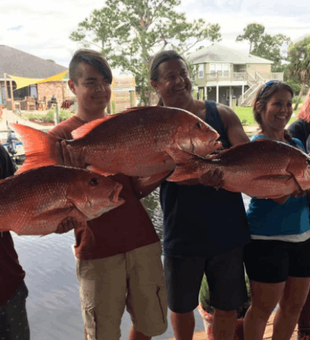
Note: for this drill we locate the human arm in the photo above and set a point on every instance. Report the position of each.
(7, 168)
(232, 125)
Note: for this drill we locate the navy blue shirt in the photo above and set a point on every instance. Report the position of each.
(201, 221)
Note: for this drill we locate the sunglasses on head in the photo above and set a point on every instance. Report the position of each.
(267, 85)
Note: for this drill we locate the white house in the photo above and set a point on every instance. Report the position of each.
(225, 75)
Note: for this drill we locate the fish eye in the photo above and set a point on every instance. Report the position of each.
(199, 125)
(308, 161)
(94, 181)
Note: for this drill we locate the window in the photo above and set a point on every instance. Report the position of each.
(200, 71)
(212, 69)
(219, 69)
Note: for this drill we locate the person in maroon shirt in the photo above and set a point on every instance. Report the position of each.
(13, 291)
(118, 255)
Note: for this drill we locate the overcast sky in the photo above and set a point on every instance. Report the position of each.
(42, 27)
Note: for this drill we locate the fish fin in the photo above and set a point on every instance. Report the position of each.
(83, 130)
(39, 147)
(183, 161)
(93, 168)
(179, 174)
(155, 178)
(86, 128)
(180, 157)
(135, 108)
(52, 214)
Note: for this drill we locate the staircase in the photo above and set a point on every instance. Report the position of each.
(254, 82)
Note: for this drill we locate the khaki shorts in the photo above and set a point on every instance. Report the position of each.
(134, 279)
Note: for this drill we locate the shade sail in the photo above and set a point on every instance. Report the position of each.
(22, 82)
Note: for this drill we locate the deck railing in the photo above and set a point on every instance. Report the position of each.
(250, 77)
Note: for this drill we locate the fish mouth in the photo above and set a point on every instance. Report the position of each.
(215, 144)
(211, 146)
(114, 195)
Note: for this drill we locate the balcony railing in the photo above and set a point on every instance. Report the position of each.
(243, 76)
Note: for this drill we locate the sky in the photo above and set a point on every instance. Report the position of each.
(42, 27)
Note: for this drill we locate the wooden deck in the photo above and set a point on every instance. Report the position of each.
(201, 335)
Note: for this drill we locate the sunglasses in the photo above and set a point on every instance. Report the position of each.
(267, 85)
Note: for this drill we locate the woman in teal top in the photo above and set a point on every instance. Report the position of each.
(278, 257)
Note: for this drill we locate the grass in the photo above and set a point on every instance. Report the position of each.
(49, 116)
(246, 116)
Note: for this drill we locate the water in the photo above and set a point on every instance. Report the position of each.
(152, 205)
(53, 304)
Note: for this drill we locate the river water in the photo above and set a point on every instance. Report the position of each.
(53, 304)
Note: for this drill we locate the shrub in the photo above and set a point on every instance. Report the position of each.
(62, 115)
(49, 117)
(244, 122)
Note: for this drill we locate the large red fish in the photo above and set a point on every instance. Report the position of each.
(262, 169)
(133, 142)
(36, 201)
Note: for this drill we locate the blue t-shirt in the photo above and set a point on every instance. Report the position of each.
(270, 220)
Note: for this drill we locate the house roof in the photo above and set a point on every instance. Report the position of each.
(22, 64)
(219, 53)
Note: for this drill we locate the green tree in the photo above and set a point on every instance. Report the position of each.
(253, 33)
(271, 47)
(299, 64)
(130, 32)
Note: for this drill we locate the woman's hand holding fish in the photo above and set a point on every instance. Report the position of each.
(65, 156)
(66, 225)
(212, 178)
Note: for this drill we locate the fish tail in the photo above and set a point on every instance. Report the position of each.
(39, 147)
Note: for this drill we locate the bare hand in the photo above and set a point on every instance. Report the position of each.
(65, 155)
(212, 178)
(66, 225)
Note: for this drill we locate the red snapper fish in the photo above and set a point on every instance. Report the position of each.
(261, 169)
(36, 201)
(134, 142)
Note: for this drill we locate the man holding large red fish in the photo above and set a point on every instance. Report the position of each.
(118, 254)
(13, 291)
(204, 229)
